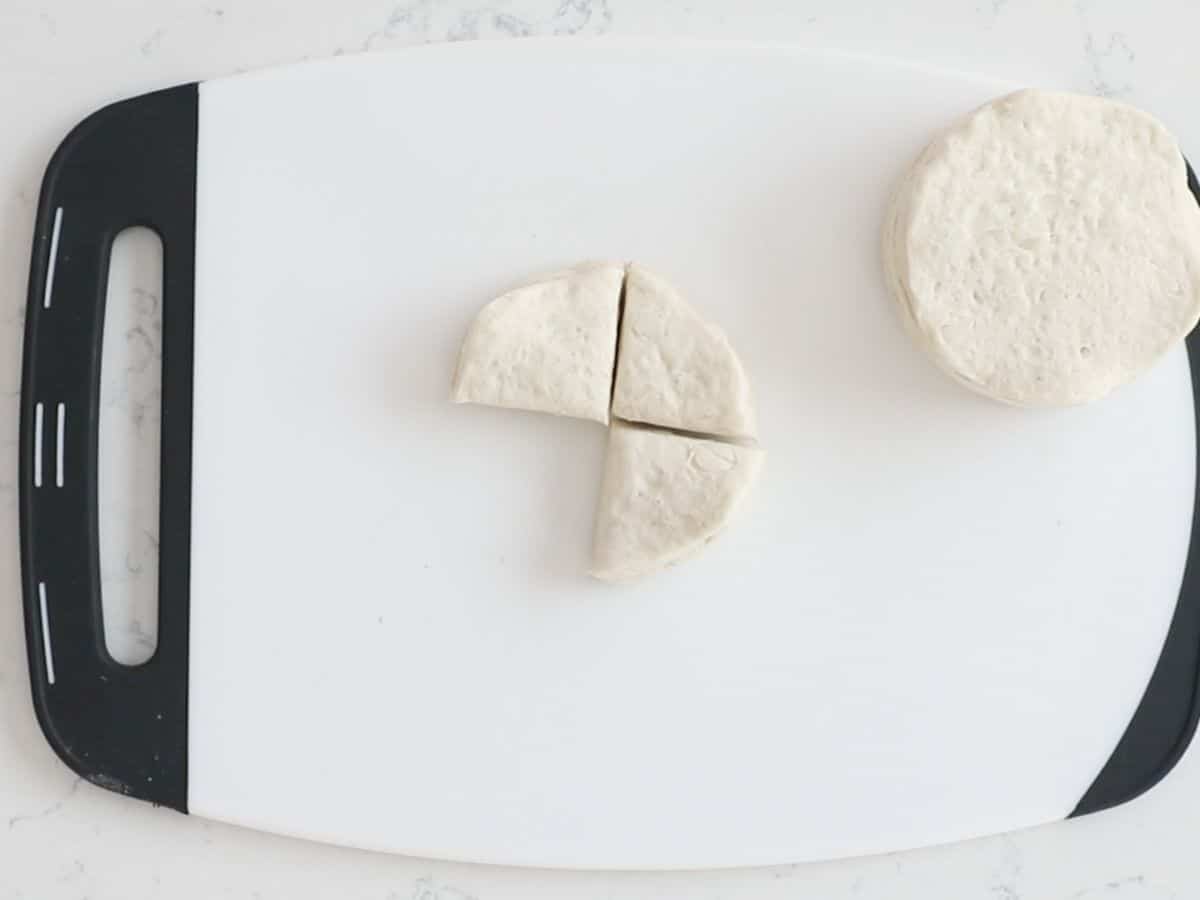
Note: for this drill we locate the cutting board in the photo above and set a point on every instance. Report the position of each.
(938, 617)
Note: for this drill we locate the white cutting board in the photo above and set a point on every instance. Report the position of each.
(934, 619)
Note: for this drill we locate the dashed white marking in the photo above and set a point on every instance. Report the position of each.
(49, 654)
(58, 444)
(37, 445)
(58, 215)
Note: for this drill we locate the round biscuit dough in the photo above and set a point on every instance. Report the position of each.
(1046, 249)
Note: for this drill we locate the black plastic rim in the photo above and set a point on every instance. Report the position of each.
(131, 163)
(1164, 723)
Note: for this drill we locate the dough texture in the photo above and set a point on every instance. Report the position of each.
(676, 370)
(1046, 249)
(664, 496)
(547, 347)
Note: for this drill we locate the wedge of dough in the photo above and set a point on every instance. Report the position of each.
(664, 496)
(675, 370)
(547, 346)
(1046, 249)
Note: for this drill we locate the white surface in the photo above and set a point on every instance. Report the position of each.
(62, 840)
(933, 621)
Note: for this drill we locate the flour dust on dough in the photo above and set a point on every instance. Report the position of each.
(1046, 249)
(676, 370)
(548, 346)
(663, 497)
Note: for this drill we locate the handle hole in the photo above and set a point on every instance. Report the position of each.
(130, 438)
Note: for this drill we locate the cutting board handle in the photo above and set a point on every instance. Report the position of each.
(132, 163)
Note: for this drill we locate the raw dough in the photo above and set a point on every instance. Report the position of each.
(676, 370)
(548, 346)
(1046, 249)
(664, 496)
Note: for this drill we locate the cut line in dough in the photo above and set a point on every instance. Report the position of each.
(696, 435)
(616, 344)
(674, 368)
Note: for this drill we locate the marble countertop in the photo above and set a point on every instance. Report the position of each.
(61, 838)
